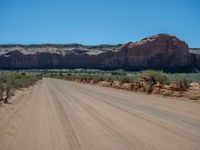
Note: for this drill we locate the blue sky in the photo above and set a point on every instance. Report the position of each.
(97, 21)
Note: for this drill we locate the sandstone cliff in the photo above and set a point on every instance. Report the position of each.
(161, 51)
(196, 54)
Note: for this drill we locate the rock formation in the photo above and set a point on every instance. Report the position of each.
(161, 51)
(196, 57)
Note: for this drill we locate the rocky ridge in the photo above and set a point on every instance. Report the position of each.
(162, 51)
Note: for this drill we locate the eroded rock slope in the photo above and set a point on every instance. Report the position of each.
(160, 51)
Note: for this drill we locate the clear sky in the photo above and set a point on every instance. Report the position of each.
(97, 21)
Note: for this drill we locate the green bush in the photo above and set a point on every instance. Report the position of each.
(8, 91)
(9, 82)
(1, 90)
(182, 83)
(148, 88)
(23, 73)
(154, 76)
(97, 78)
(118, 72)
(150, 77)
(126, 79)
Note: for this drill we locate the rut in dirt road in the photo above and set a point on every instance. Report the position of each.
(63, 115)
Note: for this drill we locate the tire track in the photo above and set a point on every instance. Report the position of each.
(116, 104)
(66, 123)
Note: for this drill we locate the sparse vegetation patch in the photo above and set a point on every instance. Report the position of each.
(149, 81)
(11, 81)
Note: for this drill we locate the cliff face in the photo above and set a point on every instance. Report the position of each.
(196, 54)
(156, 52)
(162, 51)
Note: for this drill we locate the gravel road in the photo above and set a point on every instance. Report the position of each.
(64, 115)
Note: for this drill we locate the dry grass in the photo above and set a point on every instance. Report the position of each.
(9, 82)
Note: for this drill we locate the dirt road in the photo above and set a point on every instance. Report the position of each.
(63, 115)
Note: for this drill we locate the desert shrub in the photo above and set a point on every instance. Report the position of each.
(125, 79)
(60, 75)
(69, 74)
(148, 88)
(8, 90)
(97, 78)
(9, 82)
(192, 77)
(1, 89)
(149, 77)
(23, 73)
(182, 83)
(154, 76)
(118, 72)
(39, 76)
(106, 77)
